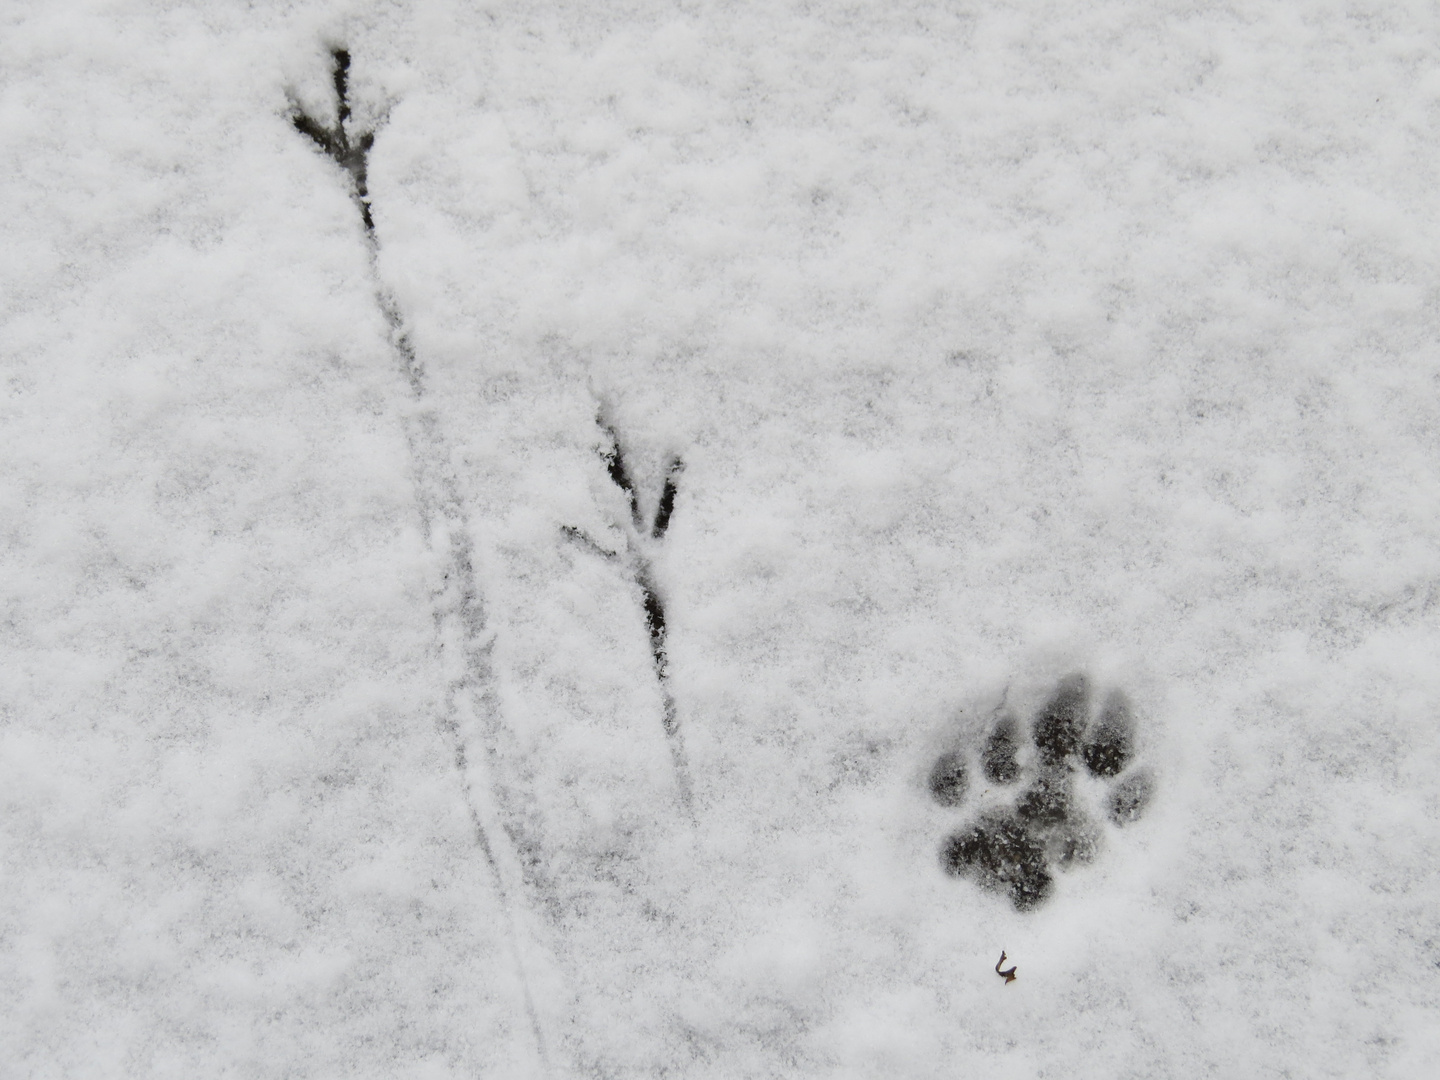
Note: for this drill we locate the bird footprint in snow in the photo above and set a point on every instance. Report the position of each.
(1014, 848)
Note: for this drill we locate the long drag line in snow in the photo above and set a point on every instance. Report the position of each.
(470, 705)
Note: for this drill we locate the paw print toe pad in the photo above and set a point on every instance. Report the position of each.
(1061, 722)
(948, 780)
(1109, 743)
(1000, 758)
(1130, 798)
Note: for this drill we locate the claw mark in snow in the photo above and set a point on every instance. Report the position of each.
(471, 710)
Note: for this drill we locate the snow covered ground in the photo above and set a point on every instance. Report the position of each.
(998, 341)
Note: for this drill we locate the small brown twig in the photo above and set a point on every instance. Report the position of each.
(1008, 973)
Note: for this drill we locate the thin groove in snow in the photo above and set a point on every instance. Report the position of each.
(459, 613)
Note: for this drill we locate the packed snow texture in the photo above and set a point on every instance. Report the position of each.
(999, 341)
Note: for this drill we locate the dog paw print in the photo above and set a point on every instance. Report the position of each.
(1014, 845)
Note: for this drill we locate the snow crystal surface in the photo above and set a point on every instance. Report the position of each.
(997, 342)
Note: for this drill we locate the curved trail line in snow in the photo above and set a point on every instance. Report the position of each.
(471, 711)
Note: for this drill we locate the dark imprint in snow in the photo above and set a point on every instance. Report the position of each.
(335, 142)
(642, 541)
(644, 577)
(1015, 850)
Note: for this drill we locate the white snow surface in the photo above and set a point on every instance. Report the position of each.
(998, 340)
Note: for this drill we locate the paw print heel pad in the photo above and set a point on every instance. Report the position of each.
(1002, 855)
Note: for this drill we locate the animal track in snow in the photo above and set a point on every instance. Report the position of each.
(641, 542)
(503, 818)
(638, 536)
(335, 142)
(1014, 848)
